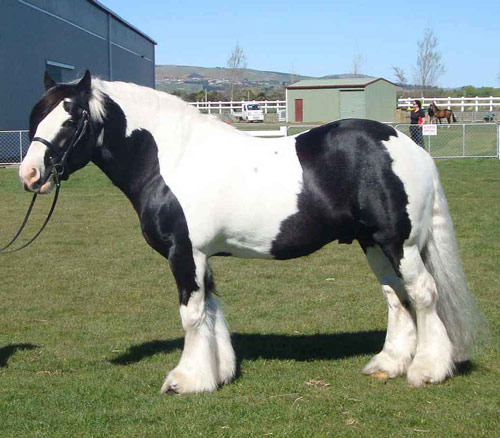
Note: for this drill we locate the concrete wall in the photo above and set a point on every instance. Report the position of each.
(74, 32)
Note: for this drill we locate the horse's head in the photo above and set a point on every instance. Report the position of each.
(61, 134)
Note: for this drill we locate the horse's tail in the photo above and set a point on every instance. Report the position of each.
(453, 117)
(464, 321)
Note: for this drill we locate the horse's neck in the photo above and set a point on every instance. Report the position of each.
(140, 127)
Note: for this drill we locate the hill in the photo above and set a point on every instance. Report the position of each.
(169, 72)
(194, 82)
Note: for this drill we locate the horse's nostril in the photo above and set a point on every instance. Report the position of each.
(33, 177)
(30, 176)
(32, 173)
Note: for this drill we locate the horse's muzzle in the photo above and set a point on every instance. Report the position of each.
(33, 181)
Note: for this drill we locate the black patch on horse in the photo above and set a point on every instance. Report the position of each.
(350, 192)
(163, 222)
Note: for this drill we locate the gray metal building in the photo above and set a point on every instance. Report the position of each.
(65, 38)
(323, 100)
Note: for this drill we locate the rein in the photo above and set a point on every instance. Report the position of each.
(25, 221)
(58, 170)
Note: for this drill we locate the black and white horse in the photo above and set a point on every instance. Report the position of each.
(202, 188)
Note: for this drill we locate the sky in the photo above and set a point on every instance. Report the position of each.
(320, 37)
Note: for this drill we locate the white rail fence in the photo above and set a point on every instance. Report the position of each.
(226, 107)
(462, 103)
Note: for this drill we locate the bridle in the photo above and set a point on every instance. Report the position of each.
(58, 167)
(59, 160)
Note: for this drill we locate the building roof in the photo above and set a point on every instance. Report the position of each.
(126, 23)
(336, 83)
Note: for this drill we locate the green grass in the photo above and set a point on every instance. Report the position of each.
(89, 327)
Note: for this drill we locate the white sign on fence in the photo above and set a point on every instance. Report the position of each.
(429, 129)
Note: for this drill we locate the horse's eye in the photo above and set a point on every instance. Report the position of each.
(69, 123)
(68, 105)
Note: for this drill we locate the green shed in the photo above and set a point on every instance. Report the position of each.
(324, 100)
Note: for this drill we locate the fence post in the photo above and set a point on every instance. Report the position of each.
(430, 142)
(463, 140)
(498, 141)
(20, 146)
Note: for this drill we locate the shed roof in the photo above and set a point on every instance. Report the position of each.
(336, 83)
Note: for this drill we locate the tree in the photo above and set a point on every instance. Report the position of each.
(429, 67)
(236, 62)
(400, 76)
(357, 64)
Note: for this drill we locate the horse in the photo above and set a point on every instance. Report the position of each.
(203, 189)
(437, 114)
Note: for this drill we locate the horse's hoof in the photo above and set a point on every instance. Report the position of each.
(179, 382)
(426, 369)
(383, 367)
(171, 391)
(380, 375)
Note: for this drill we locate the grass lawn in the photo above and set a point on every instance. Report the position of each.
(89, 327)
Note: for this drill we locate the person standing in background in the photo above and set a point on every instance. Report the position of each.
(417, 118)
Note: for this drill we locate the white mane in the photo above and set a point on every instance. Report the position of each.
(176, 126)
(144, 106)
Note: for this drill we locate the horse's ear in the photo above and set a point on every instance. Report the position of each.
(84, 85)
(48, 82)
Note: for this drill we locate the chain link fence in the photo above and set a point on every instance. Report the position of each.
(451, 141)
(461, 140)
(13, 146)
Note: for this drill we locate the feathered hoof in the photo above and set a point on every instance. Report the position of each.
(383, 367)
(380, 375)
(424, 371)
(179, 382)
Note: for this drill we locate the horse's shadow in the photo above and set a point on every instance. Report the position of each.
(7, 351)
(273, 346)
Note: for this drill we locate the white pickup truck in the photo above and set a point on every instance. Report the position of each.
(250, 112)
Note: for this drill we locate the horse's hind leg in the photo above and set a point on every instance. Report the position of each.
(401, 339)
(433, 361)
(208, 357)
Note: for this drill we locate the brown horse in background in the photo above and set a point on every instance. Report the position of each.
(437, 114)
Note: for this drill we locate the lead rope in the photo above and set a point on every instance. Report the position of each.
(57, 171)
(25, 221)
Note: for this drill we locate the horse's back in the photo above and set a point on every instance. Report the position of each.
(358, 179)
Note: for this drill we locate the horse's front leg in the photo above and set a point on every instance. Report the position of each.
(208, 358)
